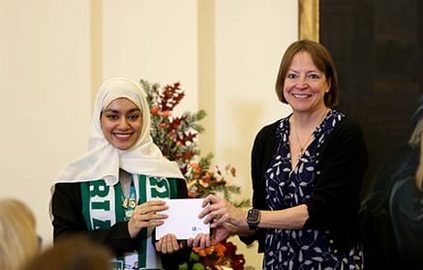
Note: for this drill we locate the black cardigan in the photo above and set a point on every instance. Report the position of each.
(335, 202)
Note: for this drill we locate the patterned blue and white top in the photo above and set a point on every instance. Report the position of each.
(301, 248)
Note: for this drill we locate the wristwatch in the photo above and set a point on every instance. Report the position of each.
(253, 218)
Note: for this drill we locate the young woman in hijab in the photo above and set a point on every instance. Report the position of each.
(114, 192)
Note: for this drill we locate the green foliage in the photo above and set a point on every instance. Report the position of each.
(177, 137)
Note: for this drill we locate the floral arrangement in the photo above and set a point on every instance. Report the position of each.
(219, 256)
(177, 138)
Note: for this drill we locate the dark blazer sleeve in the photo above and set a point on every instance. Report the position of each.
(68, 220)
(263, 150)
(335, 202)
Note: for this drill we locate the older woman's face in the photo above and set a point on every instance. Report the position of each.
(121, 122)
(305, 85)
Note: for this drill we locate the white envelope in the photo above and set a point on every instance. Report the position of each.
(183, 219)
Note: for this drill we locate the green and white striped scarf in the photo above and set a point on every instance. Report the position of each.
(102, 208)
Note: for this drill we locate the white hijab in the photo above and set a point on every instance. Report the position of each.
(103, 160)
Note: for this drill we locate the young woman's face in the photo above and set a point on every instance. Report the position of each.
(121, 122)
(305, 85)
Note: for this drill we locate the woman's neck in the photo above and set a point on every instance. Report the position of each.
(307, 121)
(125, 181)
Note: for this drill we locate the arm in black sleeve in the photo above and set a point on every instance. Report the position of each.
(263, 150)
(68, 220)
(182, 188)
(335, 202)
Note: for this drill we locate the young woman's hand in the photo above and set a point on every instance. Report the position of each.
(146, 215)
(201, 240)
(168, 244)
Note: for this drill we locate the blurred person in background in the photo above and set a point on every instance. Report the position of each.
(72, 253)
(18, 236)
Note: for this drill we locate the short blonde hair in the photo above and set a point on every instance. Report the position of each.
(18, 237)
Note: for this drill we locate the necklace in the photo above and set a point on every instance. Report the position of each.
(300, 144)
(309, 138)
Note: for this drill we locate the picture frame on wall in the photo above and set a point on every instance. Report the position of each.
(376, 48)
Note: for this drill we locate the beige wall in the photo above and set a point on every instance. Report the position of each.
(44, 96)
(53, 54)
(250, 39)
(154, 40)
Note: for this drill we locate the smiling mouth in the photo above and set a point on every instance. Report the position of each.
(122, 136)
(301, 95)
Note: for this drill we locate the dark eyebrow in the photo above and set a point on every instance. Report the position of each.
(134, 110)
(116, 111)
(314, 71)
(292, 70)
(307, 72)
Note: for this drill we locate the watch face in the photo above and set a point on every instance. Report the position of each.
(253, 215)
(253, 218)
